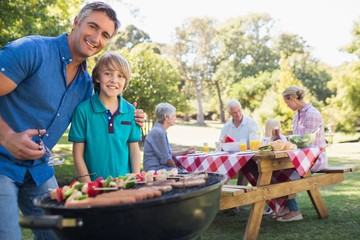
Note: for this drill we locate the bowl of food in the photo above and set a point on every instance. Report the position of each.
(302, 141)
(230, 146)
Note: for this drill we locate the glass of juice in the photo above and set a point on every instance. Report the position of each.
(243, 145)
(254, 144)
(206, 147)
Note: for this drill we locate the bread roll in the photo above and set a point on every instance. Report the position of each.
(288, 146)
(278, 145)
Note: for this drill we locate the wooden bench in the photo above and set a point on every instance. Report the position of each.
(230, 193)
(237, 195)
(342, 169)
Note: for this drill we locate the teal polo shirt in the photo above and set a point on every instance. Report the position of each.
(106, 136)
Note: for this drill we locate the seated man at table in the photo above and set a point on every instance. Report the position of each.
(238, 127)
(157, 150)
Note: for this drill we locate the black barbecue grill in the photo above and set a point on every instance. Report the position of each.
(182, 213)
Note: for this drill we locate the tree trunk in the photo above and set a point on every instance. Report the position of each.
(221, 104)
(200, 114)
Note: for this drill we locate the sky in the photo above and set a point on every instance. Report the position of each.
(325, 25)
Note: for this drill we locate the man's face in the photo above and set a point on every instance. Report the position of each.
(91, 35)
(236, 113)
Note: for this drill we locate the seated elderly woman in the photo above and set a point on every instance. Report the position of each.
(157, 150)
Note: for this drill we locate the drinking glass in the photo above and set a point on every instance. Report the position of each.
(206, 147)
(254, 144)
(51, 158)
(243, 145)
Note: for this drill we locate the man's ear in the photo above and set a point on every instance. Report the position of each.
(76, 21)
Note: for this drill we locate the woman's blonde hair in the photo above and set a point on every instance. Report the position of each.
(295, 91)
(270, 125)
(112, 61)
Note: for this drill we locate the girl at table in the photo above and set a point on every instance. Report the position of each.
(307, 119)
(157, 150)
(273, 131)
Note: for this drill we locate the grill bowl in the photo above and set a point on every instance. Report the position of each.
(178, 214)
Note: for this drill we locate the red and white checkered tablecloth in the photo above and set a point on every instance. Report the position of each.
(302, 159)
(230, 164)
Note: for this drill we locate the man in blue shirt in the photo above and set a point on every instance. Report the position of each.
(42, 80)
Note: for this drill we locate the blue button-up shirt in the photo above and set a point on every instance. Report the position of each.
(41, 99)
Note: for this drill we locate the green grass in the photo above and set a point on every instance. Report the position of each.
(342, 201)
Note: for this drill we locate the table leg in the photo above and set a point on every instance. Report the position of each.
(317, 200)
(257, 209)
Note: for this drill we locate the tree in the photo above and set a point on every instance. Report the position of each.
(194, 51)
(307, 69)
(344, 106)
(287, 79)
(154, 80)
(354, 46)
(246, 42)
(131, 37)
(250, 91)
(29, 17)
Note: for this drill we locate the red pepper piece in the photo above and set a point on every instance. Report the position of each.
(73, 183)
(92, 185)
(140, 177)
(59, 195)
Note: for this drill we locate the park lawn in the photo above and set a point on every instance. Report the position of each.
(342, 201)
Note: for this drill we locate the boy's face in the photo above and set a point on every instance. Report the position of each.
(91, 35)
(111, 82)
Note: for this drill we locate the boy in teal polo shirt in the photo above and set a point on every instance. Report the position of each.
(104, 133)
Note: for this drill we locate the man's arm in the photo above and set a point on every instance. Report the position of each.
(7, 85)
(20, 145)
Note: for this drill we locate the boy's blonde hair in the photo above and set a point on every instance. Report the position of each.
(270, 125)
(112, 61)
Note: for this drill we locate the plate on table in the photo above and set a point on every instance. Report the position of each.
(197, 154)
(217, 153)
(246, 152)
(207, 153)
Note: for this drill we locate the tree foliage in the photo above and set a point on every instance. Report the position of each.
(246, 42)
(195, 52)
(154, 80)
(36, 17)
(131, 37)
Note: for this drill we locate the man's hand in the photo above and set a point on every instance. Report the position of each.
(139, 116)
(22, 147)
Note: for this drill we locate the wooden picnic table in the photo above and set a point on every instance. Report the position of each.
(268, 163)
(274, 176)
